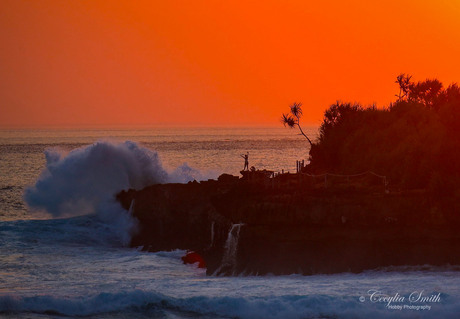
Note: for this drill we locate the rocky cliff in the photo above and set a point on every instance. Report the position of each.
(261, 227)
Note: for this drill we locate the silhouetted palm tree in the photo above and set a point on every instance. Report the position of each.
(292, 119)
(404, 83)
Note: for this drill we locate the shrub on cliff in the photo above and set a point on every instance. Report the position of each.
(415, 141)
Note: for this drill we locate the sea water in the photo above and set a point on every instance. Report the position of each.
(63, 237)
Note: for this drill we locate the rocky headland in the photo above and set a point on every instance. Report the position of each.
(284, 225)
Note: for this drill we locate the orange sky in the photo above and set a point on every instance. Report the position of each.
(70, 63)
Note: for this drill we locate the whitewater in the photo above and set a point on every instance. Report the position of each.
(64, 239)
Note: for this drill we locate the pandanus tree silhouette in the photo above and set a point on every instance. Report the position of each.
(292, 119)
(404, 83)
(428, 92)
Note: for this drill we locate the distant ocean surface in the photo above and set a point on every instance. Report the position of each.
(63, 238)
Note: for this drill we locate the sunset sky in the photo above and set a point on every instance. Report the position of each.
(71, 63)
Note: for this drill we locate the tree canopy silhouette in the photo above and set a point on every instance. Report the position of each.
(415, 141)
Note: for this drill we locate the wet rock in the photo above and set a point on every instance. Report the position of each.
(294, 230)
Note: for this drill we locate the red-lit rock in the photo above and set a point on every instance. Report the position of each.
(192, 257)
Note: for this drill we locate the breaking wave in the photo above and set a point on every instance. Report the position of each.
(86, 180)
(288, 306)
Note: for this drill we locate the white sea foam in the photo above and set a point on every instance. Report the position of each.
(230, 249)
(86, 180)
(288, 306)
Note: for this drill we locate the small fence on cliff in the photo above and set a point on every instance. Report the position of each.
(327, 180)
(346, 178)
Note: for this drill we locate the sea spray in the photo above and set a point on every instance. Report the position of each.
(185, 173)
(86, 180)
(230, 250)
(131, 208)
(77, 184)
(212, 234)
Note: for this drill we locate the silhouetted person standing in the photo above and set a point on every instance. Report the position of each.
(246, 161)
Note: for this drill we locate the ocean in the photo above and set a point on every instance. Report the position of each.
(64, 249)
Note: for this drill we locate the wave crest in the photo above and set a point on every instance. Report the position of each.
(288, 306)
(86, 180)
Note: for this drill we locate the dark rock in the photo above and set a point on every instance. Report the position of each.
(294, 228)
